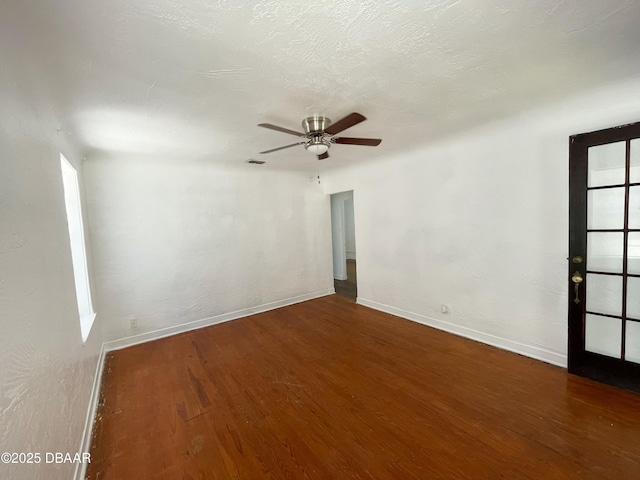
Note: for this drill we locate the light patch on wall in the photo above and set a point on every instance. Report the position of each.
(143, 133)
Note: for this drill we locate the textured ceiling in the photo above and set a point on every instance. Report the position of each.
(191, 79)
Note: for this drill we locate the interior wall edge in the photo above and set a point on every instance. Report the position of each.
(530, 351)
(206, 322)
(85, 443)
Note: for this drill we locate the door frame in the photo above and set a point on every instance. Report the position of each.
(338, 235)
(581, 362)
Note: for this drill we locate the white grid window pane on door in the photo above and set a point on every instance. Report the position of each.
(634, 207)
(603, 335)
(632, 342)
(633, 297)
(633, 253)
(605, 208)
(634, 172)
(604, 251)
(607, 164)
(604, 294)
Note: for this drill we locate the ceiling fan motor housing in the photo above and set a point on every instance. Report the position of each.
(315, 124)
(314, 131)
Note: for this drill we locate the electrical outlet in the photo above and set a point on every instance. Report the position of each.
(446, 309)
(133, 322)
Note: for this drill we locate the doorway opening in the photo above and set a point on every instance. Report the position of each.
(343, 239)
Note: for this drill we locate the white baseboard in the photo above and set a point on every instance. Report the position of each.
(206, 322)
(503, 343)
(85, 445)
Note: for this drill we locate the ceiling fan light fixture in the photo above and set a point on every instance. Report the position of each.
(317, 148)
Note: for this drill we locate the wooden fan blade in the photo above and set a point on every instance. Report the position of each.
(347, 122)
(323, 156)
(280, 129)
(370, 142)
(282, 148)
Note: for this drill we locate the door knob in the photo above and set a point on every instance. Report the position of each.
(577, 279)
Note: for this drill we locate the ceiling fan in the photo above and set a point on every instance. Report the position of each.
(320, 133)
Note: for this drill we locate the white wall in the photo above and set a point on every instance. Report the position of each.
(177, 242)
(46, 373)
(479, 222)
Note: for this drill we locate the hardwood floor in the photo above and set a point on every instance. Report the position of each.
(348, 288)
(328, 389)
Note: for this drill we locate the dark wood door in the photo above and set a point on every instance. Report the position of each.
(604, 256)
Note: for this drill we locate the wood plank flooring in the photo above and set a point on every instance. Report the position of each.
(348, 288)
(328, 389)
